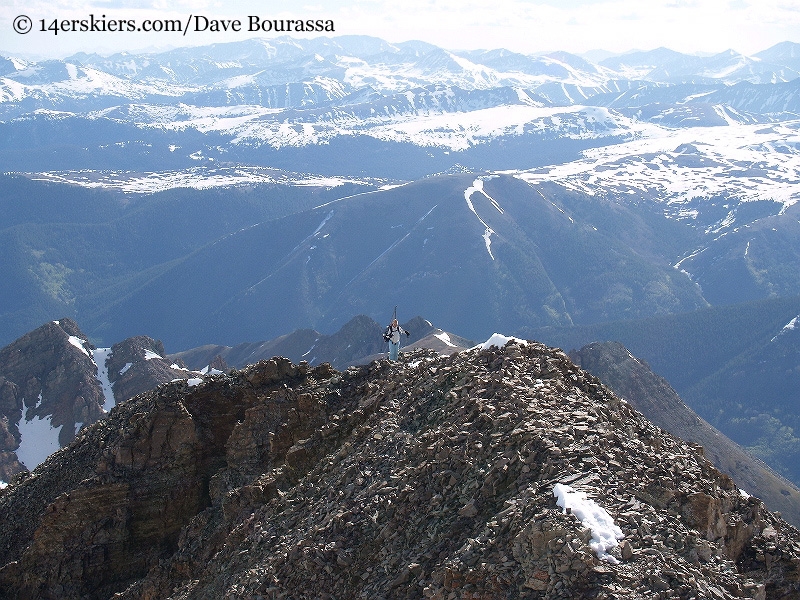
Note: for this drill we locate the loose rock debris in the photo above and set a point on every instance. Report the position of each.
(430, 477)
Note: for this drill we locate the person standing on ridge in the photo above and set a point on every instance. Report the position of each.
(392, 335)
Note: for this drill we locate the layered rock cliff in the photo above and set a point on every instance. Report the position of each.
(431, 477)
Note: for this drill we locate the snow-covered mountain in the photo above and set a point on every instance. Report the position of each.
(276, 102)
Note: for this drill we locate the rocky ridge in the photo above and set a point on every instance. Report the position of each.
(358, 341)
(431, 477)
(632, 379)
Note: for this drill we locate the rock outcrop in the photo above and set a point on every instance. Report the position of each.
(430, 477)
(53, 381)
(47, 374)
(140, 363)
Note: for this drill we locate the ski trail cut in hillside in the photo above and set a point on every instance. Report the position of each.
(790, 326)
(292, 253)
(321, 225)
(381, 189)
(556, 206)
(678, 264)
(723, 114)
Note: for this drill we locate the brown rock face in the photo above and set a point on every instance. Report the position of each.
(42, 375)
(137, 479)
(46, 374)
(138, 364)
(429, 477)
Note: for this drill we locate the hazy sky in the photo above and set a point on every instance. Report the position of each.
(526, 26)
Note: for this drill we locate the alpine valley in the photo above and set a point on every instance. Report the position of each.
(182, 215)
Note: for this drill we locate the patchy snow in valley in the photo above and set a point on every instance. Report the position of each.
(199, 178)
(676, 165)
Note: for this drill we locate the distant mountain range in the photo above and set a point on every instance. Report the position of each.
(356, 105)
(206, 172)
(214, 197)
(476, 253)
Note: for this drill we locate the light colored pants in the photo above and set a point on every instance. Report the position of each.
(393, 350)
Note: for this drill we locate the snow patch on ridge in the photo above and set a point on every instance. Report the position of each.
(445, 338)
(605, 532)
(499, 340)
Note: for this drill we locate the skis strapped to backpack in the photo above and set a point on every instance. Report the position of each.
(388, 333)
